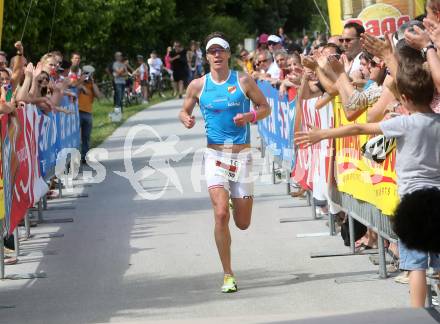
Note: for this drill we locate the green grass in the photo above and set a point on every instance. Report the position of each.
(104, 127)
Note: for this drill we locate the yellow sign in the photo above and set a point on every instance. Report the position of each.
(377, 16)
(360, 177)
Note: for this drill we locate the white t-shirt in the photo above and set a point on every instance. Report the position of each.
(155, 65)
(356, 65)
(418, 150)
(274, 71)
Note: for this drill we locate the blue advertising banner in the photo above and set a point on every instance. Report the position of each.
(56, 132)
(277, 129)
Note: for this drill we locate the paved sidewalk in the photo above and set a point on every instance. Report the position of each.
(125, 258)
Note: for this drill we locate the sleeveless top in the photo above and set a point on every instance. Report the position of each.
(219, 104)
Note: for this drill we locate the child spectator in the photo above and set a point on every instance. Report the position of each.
(417, 160)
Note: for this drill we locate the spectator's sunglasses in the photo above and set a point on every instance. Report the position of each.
(347, 39)
(243, 55)
(270, 43)
(262, 61)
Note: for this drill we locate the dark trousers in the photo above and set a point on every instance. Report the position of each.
(86, 123)
(119, 94)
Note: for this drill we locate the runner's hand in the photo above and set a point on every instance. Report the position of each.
(241, 120)
(189, 121)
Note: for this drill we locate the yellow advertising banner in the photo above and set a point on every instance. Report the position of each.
(360, 177)
(377, 16)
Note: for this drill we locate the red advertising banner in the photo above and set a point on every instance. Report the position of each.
(22, 182)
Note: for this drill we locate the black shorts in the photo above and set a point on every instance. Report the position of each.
(180, 75)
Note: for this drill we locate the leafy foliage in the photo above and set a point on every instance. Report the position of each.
(97, 28)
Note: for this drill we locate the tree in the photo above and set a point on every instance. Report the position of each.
(98, 28)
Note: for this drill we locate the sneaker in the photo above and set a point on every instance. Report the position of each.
(229, 284)
(403, 278)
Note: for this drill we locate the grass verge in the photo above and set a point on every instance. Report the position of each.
(104, 127)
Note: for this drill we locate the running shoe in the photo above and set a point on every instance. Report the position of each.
(229, 284)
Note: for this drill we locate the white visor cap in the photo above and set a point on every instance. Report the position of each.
(217, 41)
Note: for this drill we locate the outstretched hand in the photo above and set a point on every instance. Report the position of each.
(418, 38)
(38, 69)
(433, 29)
(306, 139)
(309, 62)
(376, 46)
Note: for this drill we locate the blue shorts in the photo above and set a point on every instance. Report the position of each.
(417, 260)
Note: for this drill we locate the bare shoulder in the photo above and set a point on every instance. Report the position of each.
(246, 81)
(196, 86)
(245, 78)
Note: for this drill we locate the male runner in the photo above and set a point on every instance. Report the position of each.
(224, 98)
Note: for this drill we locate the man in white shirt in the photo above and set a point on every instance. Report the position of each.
(274, 43)
(351, 43)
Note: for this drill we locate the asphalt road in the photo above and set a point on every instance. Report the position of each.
(149, 255)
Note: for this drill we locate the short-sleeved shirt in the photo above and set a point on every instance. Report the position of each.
(85, 100)
(155, 65)
(179, 63)
(274, 71)
(116, 66)
(418, 150)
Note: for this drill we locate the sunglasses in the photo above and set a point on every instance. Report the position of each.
(43, 79)
(270, 43)
(216, 50)
(244, 55)
(347, 40)
(262, 61)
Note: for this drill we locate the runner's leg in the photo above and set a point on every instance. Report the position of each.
(242, 212)
(219, 199)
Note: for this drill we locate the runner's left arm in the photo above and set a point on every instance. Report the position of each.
(262, 108)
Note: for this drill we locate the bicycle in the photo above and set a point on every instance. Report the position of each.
(155, 84)
(107, 90)
(132, 93)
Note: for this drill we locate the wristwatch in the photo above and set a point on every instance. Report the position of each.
(427, 48)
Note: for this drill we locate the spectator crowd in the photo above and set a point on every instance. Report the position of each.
(395, 80)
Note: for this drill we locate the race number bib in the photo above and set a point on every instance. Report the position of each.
(228, 168)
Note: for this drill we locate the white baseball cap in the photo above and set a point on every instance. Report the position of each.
(217, 41)
(274, 39)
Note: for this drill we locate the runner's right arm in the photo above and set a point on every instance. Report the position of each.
(191, 99)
